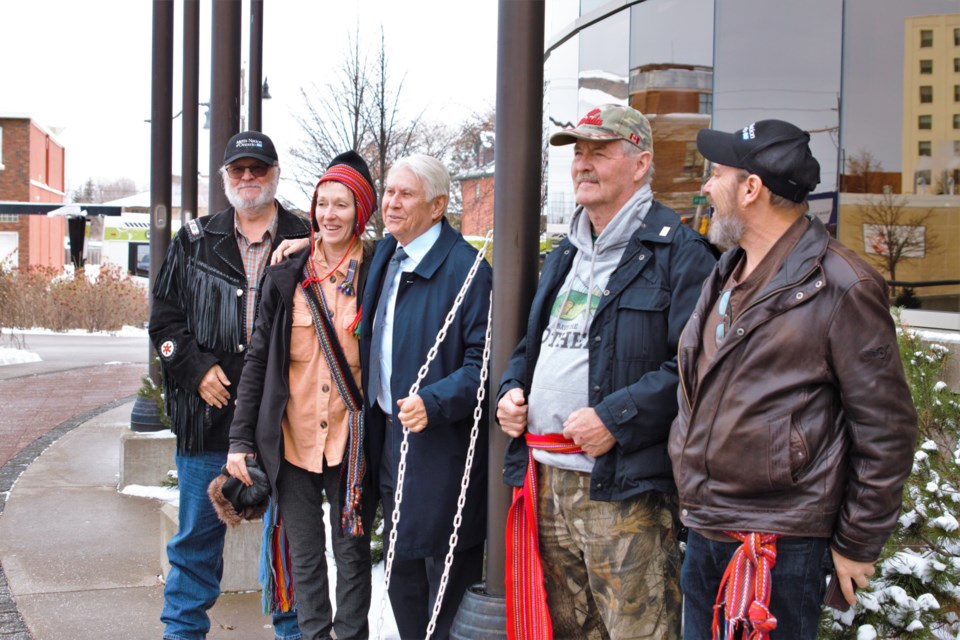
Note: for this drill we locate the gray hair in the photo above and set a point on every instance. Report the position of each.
(630, 149)
(429, 171)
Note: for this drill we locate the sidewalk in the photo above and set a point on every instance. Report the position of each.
(82, 560)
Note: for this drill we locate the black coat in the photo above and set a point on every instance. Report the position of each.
(265, 385)
(436, 456)
(633, 351)
(197, 320)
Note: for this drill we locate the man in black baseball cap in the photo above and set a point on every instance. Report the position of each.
(796, 427)
(201, 324)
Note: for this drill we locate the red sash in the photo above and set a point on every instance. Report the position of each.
(527, 614)
(744, 594)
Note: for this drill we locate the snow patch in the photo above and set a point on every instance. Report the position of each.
(17, 356)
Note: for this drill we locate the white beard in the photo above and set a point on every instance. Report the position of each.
(266, 196)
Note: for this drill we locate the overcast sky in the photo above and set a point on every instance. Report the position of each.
(83, 68)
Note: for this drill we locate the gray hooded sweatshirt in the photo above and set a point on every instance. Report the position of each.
(561, 378)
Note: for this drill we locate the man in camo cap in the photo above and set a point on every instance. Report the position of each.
(588, 399)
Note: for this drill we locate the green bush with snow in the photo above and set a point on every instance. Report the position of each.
(915, 592)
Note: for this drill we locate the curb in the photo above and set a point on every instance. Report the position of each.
(11, 624)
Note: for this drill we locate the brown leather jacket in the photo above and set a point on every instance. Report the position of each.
(803, 423)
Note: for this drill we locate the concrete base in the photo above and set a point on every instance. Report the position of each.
(146, 458)
(241, 551)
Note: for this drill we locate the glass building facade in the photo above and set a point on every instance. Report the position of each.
(875, 82)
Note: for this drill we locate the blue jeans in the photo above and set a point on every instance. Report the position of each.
(798, 583)
(195, 553)
(285, 626)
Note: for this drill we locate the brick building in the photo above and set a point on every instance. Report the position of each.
(31, 170)
(476, 188)
(677, 99)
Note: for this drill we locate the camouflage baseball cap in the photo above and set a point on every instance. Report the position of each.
(609, 122)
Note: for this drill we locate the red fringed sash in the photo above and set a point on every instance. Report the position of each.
(527, 614)
(744, 594)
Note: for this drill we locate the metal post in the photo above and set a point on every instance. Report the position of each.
(224, 90)
(191, 99)
(516, 215)
(255, 99)
(145, 416)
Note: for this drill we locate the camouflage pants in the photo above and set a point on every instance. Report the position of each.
(611, 569)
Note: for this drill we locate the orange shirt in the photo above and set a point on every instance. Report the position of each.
(316, 421)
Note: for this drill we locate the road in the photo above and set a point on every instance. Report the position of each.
(62, 352)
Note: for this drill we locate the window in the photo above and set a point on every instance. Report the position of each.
(705, 104)
(926, 66)
(9, 217)
(926, 38)
(956, 121)
(923, 148)
(956, 37)
(925, 122)
(926, 93)
(956, 65)
(956, 93)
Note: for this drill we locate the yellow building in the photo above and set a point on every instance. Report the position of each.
(931, 226)
(931, 104)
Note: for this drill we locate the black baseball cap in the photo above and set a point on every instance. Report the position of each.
(250, 144)
(777, 151)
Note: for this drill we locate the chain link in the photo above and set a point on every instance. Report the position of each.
(465, 481)
(405, 443)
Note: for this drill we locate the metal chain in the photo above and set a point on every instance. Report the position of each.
(405, 443)
(465, 481)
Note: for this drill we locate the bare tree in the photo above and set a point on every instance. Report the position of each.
(390, 137)
(335, 118)
(359, 110)
(892, 233)
(865, 173)
(104, 190)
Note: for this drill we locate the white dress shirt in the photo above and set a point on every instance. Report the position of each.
(416, 250)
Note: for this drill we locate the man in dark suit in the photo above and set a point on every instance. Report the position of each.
(414, 279)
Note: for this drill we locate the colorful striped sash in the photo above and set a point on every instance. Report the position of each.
(355, 465)
(744, 594)
(527, 614)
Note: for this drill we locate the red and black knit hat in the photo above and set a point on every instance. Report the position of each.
(351, 170)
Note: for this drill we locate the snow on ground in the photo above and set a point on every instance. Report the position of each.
(125, 332)
(17, 356)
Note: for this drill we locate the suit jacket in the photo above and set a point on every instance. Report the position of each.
(436, 456)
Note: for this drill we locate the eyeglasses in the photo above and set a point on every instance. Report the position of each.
(723, 307)
(236, 171)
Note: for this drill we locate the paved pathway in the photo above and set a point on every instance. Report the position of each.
(32, 405)
(35, 411)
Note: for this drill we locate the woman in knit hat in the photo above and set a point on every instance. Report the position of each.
(300, 409)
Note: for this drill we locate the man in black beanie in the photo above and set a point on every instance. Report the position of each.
(201, 322)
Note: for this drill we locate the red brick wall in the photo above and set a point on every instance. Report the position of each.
(30, 154)
(15, 176)
(477, 206)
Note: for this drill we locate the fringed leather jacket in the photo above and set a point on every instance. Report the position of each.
(197, 321)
